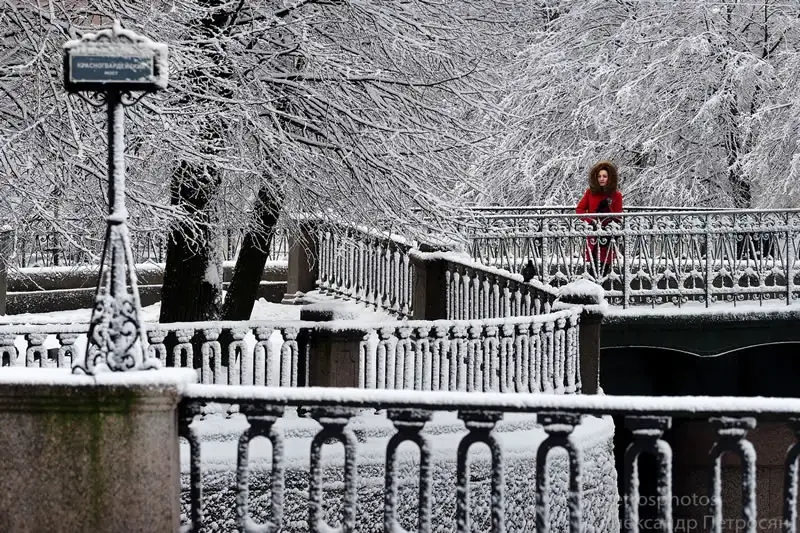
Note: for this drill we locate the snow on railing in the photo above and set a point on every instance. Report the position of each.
(481, 291)
(366, 267)
(651, 258)
(381, 271)
(524, 354)
(483, 415)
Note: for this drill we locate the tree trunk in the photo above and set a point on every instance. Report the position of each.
(740, 185)
(192, 288)
(252, 257)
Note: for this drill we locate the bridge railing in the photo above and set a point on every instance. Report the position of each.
(365, 266)
(335, 410)
(526, 354)
(39, 243)
(653, 258)
(390, 273)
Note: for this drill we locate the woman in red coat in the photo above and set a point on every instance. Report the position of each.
(602, 196)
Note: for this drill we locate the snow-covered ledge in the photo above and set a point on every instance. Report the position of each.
(591, 297)
(90, 453)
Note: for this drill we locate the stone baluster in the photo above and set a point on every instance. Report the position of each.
(537, 357)
(290, 359)
(558, 427)
(732, 433)
(262, 420)
(440, 348)
(323, 262)
(409, 424)
(560, 355)
(458, 358)
(8, 351)
(359, 292)
(385, 355)
(263, 358)
(405, 286)
(334, 426)
(483, 296)
(522, 366)
(491, 360)
(66, 348)
(405, 378)
(548, 357)
(395, 292)
(423, 363)
(386, 268)
(480, 425)
(572, 359)
(347, 265)
(183, 353)
(508, 359)
(239, 360)
(366, 363)
(35, 352)
(474, 360)
(370, 273)
(647, 437)
(210, 350)
(155, 344)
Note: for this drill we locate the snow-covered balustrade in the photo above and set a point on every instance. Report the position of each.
(388, 273)
(474, 290)
(247, 353)
(581, 502)
(367, 267)
(523, 354)
(648, 258)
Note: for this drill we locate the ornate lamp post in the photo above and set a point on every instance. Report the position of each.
(108, 66)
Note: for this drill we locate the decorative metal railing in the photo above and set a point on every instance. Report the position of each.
(653, 258)
(335, 410)
(39, 243)
(524, 354)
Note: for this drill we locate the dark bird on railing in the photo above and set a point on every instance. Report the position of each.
(528, 271)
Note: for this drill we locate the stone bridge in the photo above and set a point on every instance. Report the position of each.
(470, 334)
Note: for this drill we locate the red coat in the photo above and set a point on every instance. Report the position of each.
(590, 203)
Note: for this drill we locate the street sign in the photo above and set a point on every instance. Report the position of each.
(114, 59)
(109, 65)
(110, 69)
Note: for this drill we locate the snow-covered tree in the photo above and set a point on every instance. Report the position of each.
(693, 99)
(358, 110)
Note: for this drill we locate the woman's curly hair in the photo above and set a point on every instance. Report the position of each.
(613, 177)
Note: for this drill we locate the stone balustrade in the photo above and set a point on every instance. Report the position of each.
(521, 354)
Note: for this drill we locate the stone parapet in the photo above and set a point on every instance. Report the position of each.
(87, 453)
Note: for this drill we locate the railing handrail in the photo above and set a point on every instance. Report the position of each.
(720, 211)
(480, 208)
(349, 398)
(52, 328)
